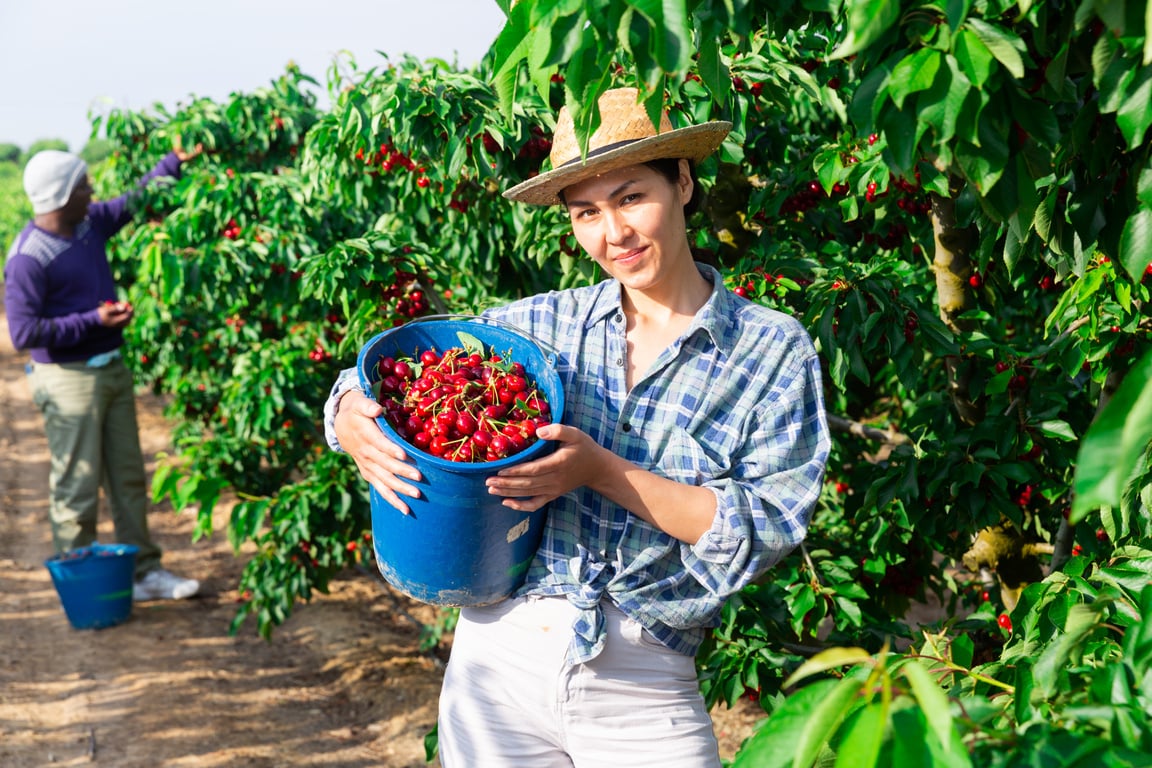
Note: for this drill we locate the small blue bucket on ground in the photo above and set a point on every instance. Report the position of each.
(459, 546)
(95, 583)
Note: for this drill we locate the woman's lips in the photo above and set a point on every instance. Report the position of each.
(629, 256)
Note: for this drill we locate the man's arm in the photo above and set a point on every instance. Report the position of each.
(110, 216)
(24, 305)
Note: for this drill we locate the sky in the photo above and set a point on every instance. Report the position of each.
(61, 60)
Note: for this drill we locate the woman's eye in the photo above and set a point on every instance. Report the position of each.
(631, 197)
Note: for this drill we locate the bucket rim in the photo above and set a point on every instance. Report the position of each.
(535, 450)
(91, 550)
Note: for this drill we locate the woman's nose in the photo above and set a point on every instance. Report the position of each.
(616, 228)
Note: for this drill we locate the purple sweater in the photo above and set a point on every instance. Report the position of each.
(54, 284)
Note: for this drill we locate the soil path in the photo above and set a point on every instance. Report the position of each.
(342, 683)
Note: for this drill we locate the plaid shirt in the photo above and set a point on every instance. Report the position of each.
(734, 405)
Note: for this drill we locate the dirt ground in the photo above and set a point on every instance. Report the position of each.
(342, 683)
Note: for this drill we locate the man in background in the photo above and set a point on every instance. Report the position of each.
(63, 308)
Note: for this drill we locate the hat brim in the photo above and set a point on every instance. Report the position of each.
(694, 142)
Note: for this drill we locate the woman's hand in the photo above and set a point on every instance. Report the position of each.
(576, 461)
(381, 462)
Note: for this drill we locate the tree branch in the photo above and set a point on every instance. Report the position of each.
(890, 436)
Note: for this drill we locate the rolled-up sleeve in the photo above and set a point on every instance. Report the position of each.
(765, 503)
(345, 382)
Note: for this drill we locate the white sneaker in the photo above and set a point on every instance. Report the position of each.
(163, 585)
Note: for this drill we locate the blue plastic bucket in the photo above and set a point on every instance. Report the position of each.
(95, 584)
(460, 546)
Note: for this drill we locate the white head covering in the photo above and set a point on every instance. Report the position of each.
(49, 178)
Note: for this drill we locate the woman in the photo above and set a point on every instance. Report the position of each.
(689, 459)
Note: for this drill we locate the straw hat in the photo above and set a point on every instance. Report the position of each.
(625, 137)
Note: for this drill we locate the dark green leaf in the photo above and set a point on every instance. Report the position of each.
(1136, 242)
(1115, 442)
(868, 20)
(1135, 111)
(913, 74)
(1004, 45)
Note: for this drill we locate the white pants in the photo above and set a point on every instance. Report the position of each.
(510, 700)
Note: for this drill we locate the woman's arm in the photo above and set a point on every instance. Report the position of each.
(683, 511)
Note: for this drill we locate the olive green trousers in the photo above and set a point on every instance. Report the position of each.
(93, 437)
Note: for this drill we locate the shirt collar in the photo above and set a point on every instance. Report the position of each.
(716, 318)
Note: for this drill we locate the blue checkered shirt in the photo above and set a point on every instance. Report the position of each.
(734, 405)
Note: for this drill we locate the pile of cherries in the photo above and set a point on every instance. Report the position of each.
(462, 405)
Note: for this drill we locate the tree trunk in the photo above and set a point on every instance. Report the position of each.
(952, 264)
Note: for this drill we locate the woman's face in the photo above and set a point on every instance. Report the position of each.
(631, 221)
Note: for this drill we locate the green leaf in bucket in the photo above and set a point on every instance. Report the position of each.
(471, 344)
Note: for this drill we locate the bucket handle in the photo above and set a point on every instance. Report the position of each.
(550, 355)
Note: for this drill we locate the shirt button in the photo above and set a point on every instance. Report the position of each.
(627, 427)
(618, 317)
(619, 361)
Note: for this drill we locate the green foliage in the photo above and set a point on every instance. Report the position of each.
(10, 153)
(952, 200)
(1070, 689)
(15, 210)
(42, 144)
(96, 150)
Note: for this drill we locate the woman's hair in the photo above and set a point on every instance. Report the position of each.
(669, 168)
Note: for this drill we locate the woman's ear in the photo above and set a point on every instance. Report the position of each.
(684, 183)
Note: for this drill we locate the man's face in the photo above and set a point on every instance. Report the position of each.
(77, 206)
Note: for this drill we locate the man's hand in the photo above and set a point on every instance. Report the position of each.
(185, 155)
(115, 314)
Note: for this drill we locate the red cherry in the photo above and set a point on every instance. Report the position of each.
(465, 424)
(499, 445)
(975, 280)
(1004, 621)
(482, 438)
